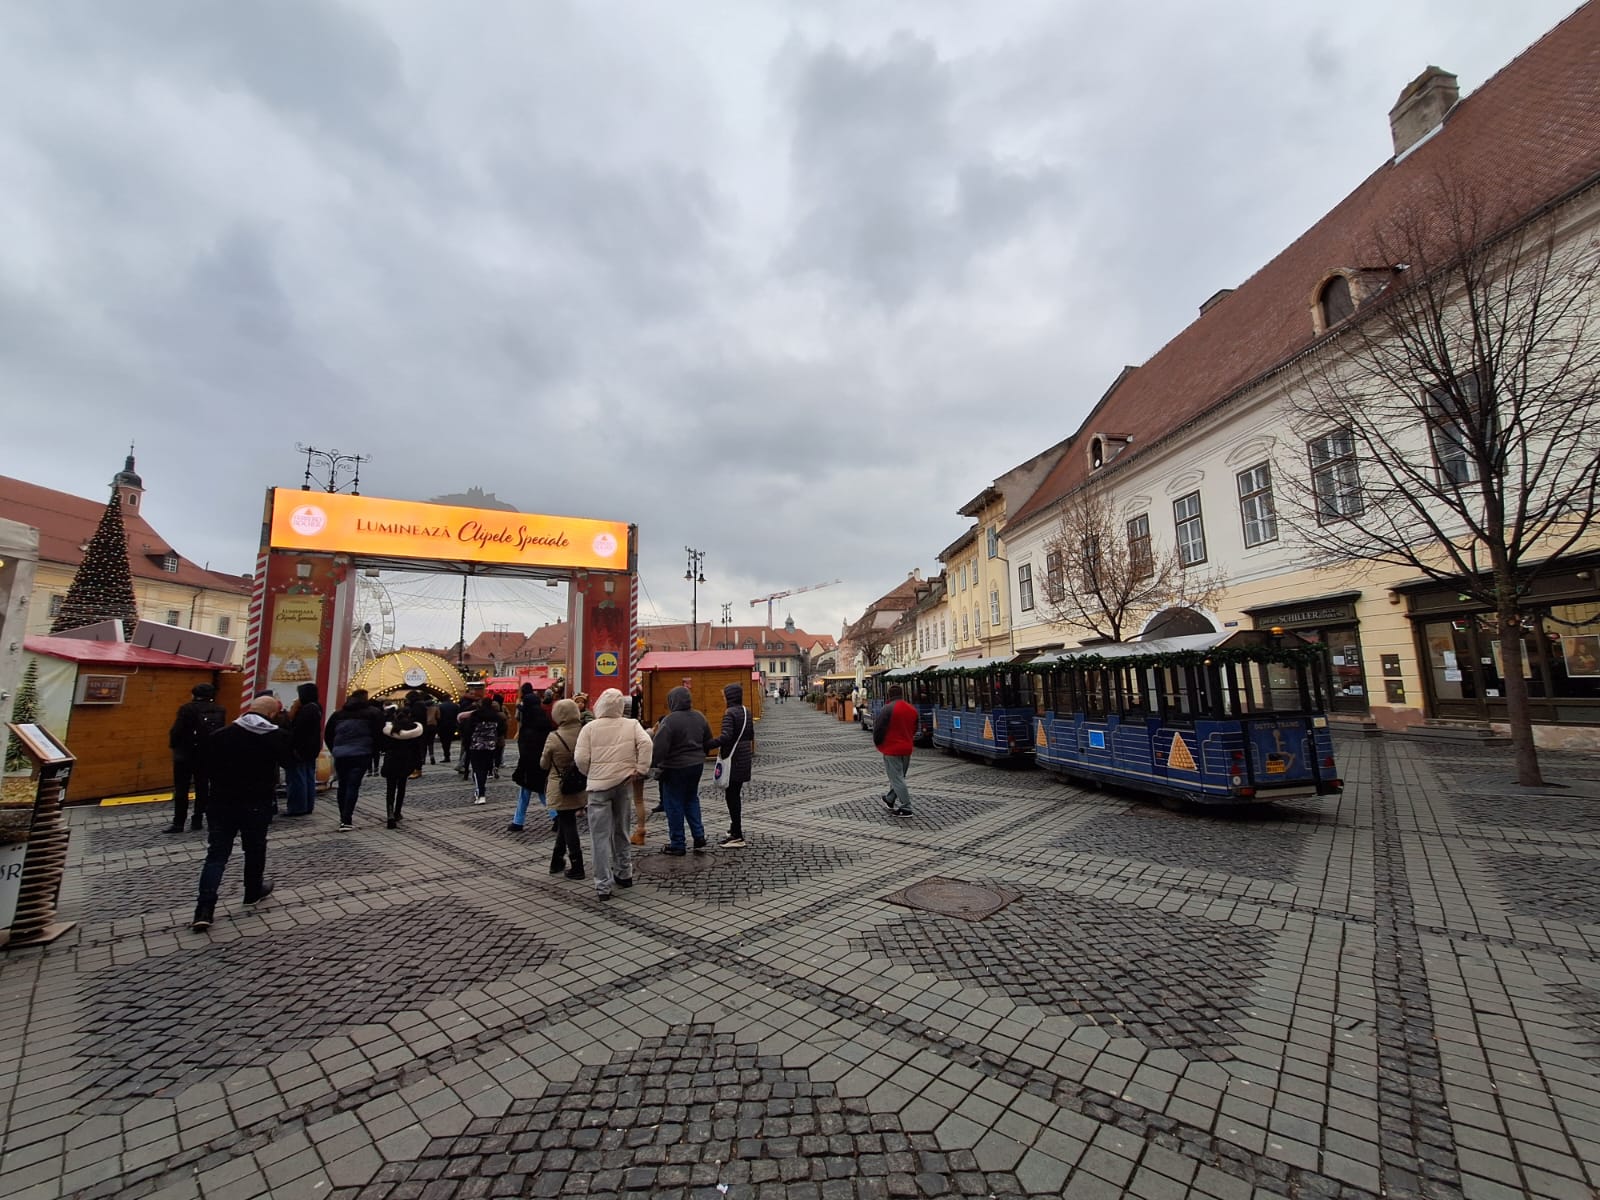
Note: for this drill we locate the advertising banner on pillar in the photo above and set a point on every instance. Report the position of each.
(373, 527)
(294, 650)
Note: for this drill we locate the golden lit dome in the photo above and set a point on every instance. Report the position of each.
(406, 670)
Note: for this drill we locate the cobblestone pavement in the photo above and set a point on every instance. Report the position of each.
(1396, 992)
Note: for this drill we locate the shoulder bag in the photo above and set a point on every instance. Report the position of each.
(722, 773)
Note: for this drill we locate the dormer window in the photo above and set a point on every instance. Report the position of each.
(1336, 301)
(169, 563)
(1097, 454)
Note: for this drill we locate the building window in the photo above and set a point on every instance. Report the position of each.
(1255, 505)
(1334, 479)
(55, 605)
(1097, 454)
(172, 616)
(1025, 587)
(1092, 558)
(169, 563)
(1141, 563)
(1191, 534)
(942, 641)
(1052, 575)
(966, 632)
(223, 625)
(1336, 301)
(994, 542)
(994, 606)
(1452, 418)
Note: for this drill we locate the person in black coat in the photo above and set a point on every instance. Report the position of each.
(197, 720)
(738, 743)
(445, 724)
(243, 759)
(402, 755)
(354, 735)
(305, 736)
(531, 779)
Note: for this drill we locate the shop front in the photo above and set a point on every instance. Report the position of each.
(1459, 644)
(1330, 620)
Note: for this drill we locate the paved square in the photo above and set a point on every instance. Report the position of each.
(1394, 992)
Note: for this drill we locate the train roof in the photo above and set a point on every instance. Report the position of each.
(1191, 643)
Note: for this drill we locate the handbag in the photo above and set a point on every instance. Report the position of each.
(722, 773)
(573, 780)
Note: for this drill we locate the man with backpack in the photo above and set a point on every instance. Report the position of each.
(483, 732)
(197, 721)
(894, 732)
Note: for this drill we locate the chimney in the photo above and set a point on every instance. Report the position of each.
(1422, 108)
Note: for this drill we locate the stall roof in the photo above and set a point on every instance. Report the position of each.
(688, 660)
(113, 654)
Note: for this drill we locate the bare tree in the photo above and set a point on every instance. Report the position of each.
(1103, 573)
(868, 639)
(1453, 427)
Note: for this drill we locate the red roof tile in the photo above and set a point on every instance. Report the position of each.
(1528, 136)
(66, 523)
(116, 654)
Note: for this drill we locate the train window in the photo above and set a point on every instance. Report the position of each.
(1094, 694)
(1280, 688)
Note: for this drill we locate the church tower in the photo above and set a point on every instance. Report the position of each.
(127, 482)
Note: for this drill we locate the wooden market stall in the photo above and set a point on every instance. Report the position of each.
(705, 673)
(113, 704)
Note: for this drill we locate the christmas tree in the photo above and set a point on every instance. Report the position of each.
(102, 589)
(24, 711)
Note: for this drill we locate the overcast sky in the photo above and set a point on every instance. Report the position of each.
(787, 283)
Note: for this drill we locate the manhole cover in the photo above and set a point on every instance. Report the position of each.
(959, 898)
(670, 866)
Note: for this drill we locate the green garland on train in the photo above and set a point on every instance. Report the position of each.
(1303, 655)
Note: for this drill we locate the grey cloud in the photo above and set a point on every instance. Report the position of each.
(891, 196)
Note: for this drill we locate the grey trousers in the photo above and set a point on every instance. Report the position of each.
(610, 854)
(896, 765)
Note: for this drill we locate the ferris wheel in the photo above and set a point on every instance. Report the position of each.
(372, 628)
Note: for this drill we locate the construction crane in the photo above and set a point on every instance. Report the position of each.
(767, 600)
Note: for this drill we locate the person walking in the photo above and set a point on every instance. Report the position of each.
(305, 738)
(243, 759)
(738, 745)
(482, 732)
(682, 741)
(894, 732)
(559, 757)
(533, 729)
(445, 724)
(612, 751)
(196, 721)
(402, 756)
(430, 729)
(354, 736)
(641, 814)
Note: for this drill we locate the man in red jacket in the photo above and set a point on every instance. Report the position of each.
(894, 731)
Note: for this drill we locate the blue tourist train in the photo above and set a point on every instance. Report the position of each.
(1232, 718)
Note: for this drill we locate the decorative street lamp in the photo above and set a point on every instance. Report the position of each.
(333, 461)
(695, 577)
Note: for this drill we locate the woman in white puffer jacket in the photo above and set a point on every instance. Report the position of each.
(613, 750)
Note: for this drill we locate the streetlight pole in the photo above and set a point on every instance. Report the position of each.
(695, 576)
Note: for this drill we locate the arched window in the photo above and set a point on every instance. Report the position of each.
(1097, 454)
(1336, 301)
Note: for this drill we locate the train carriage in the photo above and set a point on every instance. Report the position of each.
(1234, 717)
(984, 708)
(916, 684)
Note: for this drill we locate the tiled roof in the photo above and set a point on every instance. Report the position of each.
(66, 523)
(767, 641)
(120, 654)
(1528, 136)
(495, 645)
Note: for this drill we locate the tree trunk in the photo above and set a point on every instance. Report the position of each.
(1518, 716)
